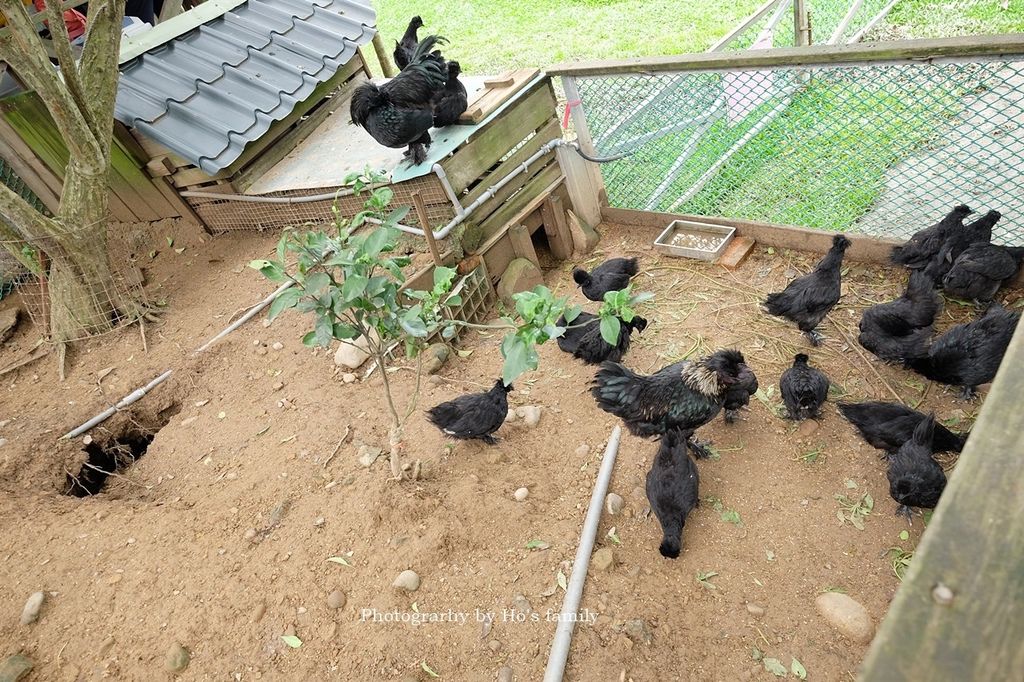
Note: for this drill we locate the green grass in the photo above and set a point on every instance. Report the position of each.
(943, 18)
(490, 36)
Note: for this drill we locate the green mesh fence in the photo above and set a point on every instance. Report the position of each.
(882, 148)
(12, 180)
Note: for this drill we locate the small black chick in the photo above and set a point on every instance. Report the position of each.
(612, 275)
(808, 299)
(887, 426)
(584, 341)
(925, 244)
(969, 355)
(476, 415)
(406, 48)
(399, 112)
(900, 330)
(981, 269)
(683, 396)
(804, 389)
(672, 490)
(915, 478)
(958, 242)
(738, 395)
(451, 102)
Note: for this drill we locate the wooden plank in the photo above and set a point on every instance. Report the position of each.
(291, 139)
(514, 186)
(185, 210)
(974, 548)
(496, 92)
(34, 174)
(189, 177)
(510, 128)
(548, 132)
(522, 244)
(386, 67)
(518, 207)
(584, 183)
(556, 228)
(1000, 46)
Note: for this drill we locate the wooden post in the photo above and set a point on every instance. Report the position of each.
(555, 227)
(428, 231)
(386, 67)
(801, 24)
(522, 245)
(575, 104)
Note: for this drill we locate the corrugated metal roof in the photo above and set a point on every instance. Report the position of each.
(208, 93)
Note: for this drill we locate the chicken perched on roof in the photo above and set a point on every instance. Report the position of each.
(887, 426)
(583, 339)
(806, 300)
(400, 112)
(804, 389)
(925, 244)
(901, 330)
(473, 416)
(406, 48)
(981, 269)
(451, 102)
(915, 478)
(612, 275)
(682, 396)
(672, 490)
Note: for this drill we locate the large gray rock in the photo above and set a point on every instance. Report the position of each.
(584, 237)
(434, 357)
(13, 668)
(521, 275)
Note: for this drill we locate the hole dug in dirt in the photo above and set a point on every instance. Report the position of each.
(114, 450)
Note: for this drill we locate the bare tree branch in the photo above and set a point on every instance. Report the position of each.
(27, 223)
(99, 65)
(14, 244)
(62, 46)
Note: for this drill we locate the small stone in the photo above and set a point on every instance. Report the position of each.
(846, 615)
(30, 613)
(250, 534)
(278, 386)
(505, 674)
(336, 600)
(261, 350)
(520, 275)
(755, 610)
(494, 645)
(603, 559)
(521, 494)
(942, 595)
(348, 378)
(522, 604)
(177, 658)
(267, 322)
(407, 580)
(352, 354)
(639, 494)
(613, 503)
(511, 416)
(637, 631)
(807, 427)
(259, 612)
(16, 667)
(368, 455)
(434, 357)
(319, 521)
(277, 345)
(583, 450)
(530, 415)
(114, 579)
(435, 380)
(189, 420)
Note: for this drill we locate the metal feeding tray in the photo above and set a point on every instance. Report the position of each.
(689, 239)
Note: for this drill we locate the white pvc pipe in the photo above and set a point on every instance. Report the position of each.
(570, 604)
(245, 318)
(123, 403)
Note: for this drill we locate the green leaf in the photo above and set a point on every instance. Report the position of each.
(316, 282)
(904, 535)
(610, 327)
(731, 516)
(354, 287)
(572, 313)
(798, 669)
(562, 582)
(344, 332)
(413, 324)
(269, 269)
(516, 354)
(537, 544)
(396, 216)
(286, 299)
(454, 299)
(443, 278)
(324, 331)
(309, 339)
(292, 641)
(775, 667)
(339, 560)
(375, 242)
(642, 297)
(427, 669)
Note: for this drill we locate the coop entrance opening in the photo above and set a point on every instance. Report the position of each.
(115, 451)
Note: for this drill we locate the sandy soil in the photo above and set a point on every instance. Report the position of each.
(166, 552)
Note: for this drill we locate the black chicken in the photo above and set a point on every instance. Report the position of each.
(672, 490)
(958, 242)
(808, 299)
(969, 355)
(612, 275)
(915, 478)
(887, 426)
(981, 269)
(451, 102)
(738, 395)
(925, 244)
(683, 396)
(804, 389)
(399, 112)
(584, 341)
(406, 48)
(900, 330)
(473, 416)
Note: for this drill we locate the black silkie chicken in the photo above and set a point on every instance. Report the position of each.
(612, 275)
(969, 355)
(473, 416)
(451, 102)
(399, 112)
(583, 338)
(980, 270)
(958, 242)
(806, 300)
(406, 48)
(887, 426)
(738, 395)
(915, 478)
(682, 396)
(900, 330)
(672, 490)
(925, 244)
(804, 389)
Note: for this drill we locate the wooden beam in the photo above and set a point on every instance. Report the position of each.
(386, 67)
(957, 614)
(428, 229)
(556, 228)
(522, 244)
(998, 46)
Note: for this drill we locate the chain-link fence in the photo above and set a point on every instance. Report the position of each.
(884, 145)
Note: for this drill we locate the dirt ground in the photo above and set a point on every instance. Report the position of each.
(218, 538)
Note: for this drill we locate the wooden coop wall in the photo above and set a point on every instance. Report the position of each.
(32, 145)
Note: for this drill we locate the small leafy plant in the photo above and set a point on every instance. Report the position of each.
(854, 511)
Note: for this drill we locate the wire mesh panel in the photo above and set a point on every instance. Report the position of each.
(882, 148)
